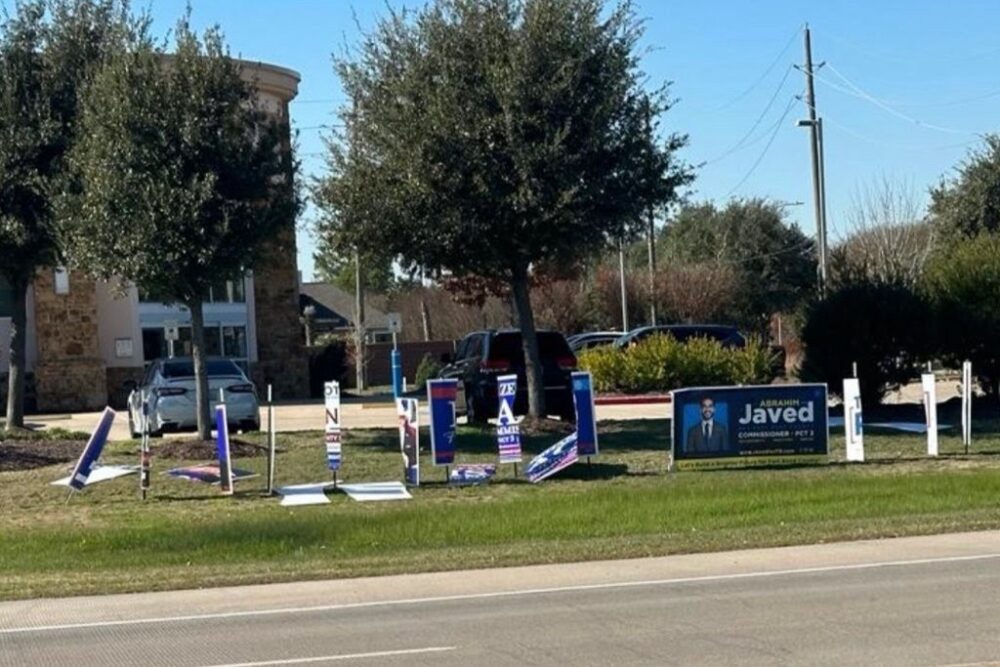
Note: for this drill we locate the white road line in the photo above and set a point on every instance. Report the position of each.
(343, 656)
(505, 594)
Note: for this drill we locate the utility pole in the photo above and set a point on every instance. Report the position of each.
(815, 126)
(651, 240)
(359, 324)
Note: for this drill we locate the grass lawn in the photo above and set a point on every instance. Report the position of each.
(623, 505)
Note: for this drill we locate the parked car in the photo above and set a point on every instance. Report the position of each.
(483, 355)
(169, 385)
(726, 335)
(585, 341)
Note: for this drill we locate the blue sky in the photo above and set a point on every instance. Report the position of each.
(907, 88)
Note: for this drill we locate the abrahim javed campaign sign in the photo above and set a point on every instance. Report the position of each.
(716, 426)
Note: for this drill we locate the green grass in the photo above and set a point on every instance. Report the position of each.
(624, 505)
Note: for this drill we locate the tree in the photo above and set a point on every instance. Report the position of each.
(969, 203)
(48, 51)
(184, 177)
(964, 284)
(376, 273)
(890, 242)
(487, 137)
(775, 262)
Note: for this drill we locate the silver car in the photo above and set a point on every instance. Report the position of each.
(169, 386)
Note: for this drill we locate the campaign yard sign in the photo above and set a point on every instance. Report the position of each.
(331, 394)
(409, 439)
(223, 451)
(441, 396)
(508, 430)
(854, 426)
(754, 425)
(92, 451)
(586, 416)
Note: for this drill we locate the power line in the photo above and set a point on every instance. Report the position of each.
(763, 76)
(857, 91)
(740, 144)
(760, 158)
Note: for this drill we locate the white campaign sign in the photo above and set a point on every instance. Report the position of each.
(853, 424)
(967, 404)
(929, 384)
(334, 456)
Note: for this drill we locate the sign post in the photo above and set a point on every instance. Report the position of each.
(395, 323)
(967, 404)
(270, 441)
(929, 384)
(145, 464)
(854, 433)
(334, 454)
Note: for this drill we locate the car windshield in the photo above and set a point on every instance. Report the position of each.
(213, 367)
(551, 345)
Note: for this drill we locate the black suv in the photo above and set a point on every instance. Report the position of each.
(727, 336)
(483, 355)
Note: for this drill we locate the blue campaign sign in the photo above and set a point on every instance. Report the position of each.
(508, 429)
(586, 416)
(441, 395)
(92, 451)
(557, 457)
(222, 449)
(749, 424)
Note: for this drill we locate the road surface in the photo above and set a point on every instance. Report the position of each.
(911, 601)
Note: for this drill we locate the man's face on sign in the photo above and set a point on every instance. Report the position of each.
(707, 409)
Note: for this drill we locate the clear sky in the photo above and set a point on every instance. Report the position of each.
(907, 87)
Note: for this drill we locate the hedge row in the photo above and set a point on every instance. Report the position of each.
(660, 363)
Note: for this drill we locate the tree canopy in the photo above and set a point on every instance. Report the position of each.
(496, 138)
(184, 175)
(969, 203)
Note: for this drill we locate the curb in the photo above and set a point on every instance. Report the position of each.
(632, 400)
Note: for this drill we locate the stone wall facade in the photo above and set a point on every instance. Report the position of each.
(69, 374)
(281, 345)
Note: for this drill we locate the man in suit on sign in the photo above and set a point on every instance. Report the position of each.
(707, 436)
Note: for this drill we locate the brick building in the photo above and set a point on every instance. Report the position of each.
(85, 341)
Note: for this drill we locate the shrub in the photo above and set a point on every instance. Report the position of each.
(964, 285)
(429, 368)
(660, 363)
(886, 329)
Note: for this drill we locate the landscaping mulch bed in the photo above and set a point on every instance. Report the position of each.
(204, 450)
(31, 454)
(530, 427)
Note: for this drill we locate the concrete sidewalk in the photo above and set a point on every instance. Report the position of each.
(310, 417)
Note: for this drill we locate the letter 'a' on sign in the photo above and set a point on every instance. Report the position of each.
(508, 428)
(331, 395)
(441, 396)
(854, 429)
(586, 416)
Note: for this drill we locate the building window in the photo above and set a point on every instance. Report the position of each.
(222, 291)
(220, 341)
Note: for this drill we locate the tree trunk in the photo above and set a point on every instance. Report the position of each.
(18, 355)
(201, 395)
(532, 360)
(425, 318)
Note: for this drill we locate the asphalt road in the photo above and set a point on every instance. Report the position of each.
(912, 601)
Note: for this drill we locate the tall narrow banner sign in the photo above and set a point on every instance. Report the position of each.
(409, 439)
(508, 429)
(586, 416)
(92, 452)
(967, 404)
(222, 449)
(929, 384)
(441, 396)
(331, 393)
(854, 432)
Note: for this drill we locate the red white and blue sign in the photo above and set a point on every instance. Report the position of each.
(559, 456)
(508, 430)
(409, 439)
(334, 455)
(441, 395)
(472, 474)
(92, 452)
(222, 449)
(586, 416)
